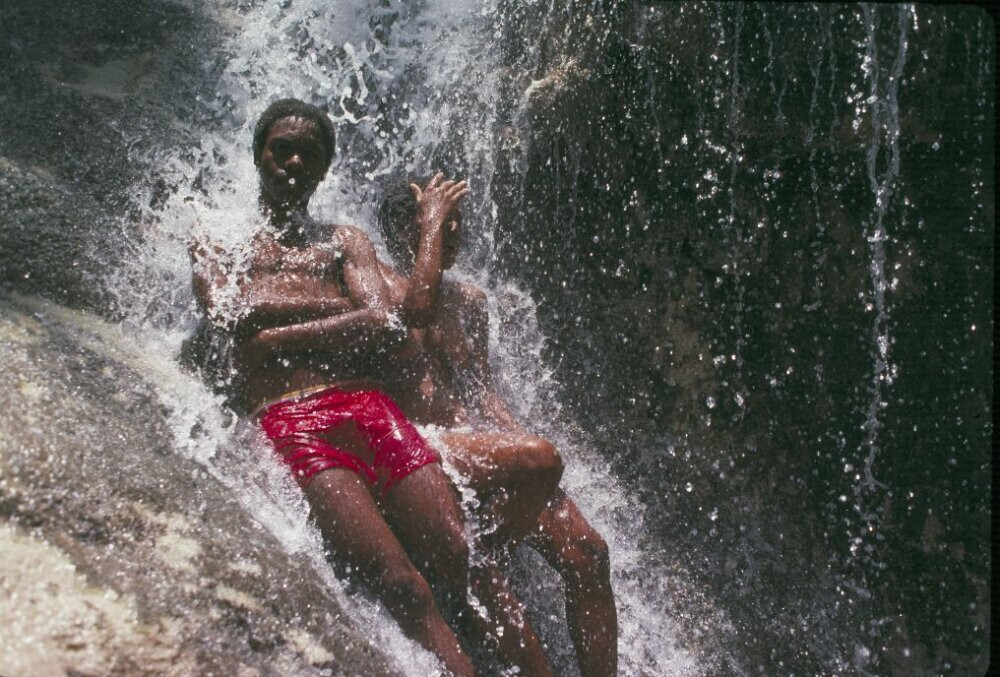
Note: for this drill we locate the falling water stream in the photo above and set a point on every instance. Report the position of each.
(737, 261)
(406, 95)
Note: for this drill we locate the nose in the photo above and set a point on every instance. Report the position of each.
(294, 163)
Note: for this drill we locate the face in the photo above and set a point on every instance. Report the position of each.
(292, 162)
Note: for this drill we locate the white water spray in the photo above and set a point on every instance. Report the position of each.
(409, 85)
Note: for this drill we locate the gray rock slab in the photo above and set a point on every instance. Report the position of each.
(121, 556)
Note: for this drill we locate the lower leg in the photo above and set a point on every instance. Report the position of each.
(506, 624)
(580, 555)
(423, 509)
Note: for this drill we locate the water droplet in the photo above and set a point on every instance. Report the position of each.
(710, 402)
(688, 487)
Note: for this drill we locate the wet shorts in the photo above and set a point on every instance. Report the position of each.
(362, 430)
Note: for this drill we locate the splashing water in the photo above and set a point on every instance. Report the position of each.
(675, 211)
(411, 87)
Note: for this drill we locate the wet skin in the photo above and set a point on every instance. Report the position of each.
(287, 339)
(515, 470)
(319, 313)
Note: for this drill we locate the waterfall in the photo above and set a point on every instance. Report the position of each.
(412, 88)
(738, 261)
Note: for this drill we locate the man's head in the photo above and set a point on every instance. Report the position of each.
(293, 145)
(397, 221)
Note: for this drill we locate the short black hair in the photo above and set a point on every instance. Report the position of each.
(397, 209)
(286, 108)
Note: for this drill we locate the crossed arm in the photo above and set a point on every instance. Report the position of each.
(275, 322)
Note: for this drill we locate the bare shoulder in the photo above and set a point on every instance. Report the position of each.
(351, 238)
(467, 300)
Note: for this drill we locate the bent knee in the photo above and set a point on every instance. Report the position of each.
(540, 455)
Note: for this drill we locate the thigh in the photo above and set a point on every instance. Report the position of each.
(423, 511)
(353, 526)
(493, 461)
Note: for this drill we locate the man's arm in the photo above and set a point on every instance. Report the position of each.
(435, 203)
(366, 287)
(354, 329)
(269, 308)
(209, 277)
(369, 323)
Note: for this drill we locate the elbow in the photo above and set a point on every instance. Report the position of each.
(418, 318)
(418, 311)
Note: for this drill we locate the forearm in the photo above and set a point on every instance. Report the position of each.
(353, 330)
(271, 310)
(424, 284)
(436, 213)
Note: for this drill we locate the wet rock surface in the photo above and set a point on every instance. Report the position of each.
(90, 90)
(119, 555)
(712, 177)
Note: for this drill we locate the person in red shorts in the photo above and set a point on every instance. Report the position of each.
(314, 336)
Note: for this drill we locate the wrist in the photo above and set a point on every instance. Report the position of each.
(431, 227)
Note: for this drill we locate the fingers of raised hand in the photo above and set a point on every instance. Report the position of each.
(417, 193)
(435, 180)
(458, 191)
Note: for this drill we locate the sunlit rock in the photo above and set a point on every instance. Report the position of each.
(121, 556)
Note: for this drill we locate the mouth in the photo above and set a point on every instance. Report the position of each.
(290, 187)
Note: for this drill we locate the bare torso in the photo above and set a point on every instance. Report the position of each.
(442, 356)
(308, 272)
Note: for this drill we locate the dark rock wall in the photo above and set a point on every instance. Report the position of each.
(713, 318)
(90, 90)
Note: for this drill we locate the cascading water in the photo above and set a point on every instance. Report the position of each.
(737, 259)
(409, 95)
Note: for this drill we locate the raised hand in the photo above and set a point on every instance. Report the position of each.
(437, 200)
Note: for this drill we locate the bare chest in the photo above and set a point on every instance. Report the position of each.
(298, 271)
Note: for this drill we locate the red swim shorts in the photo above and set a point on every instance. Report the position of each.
(362, 430)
